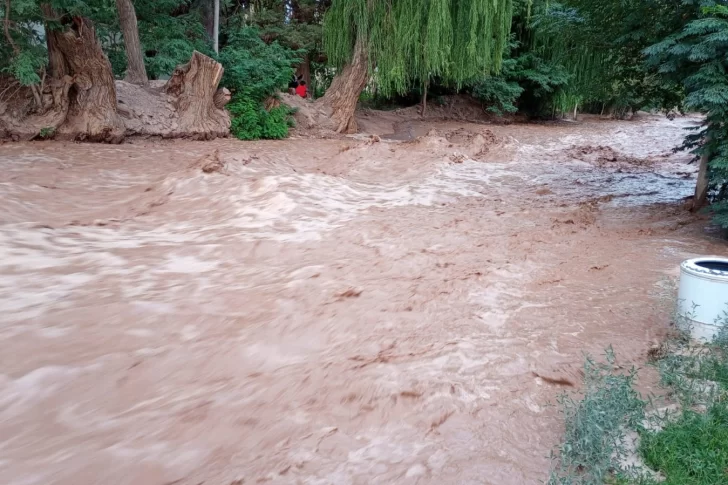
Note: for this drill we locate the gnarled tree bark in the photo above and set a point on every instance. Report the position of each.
(193, 87)
(92, 112)
(136, 73)
(57, 67)
(79, 99)
(83, 105)
(343, 94)
(222, 97)
(43, 122)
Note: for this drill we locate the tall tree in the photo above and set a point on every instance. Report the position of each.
(136, 73)
(601, 42)
(697, 57)
(407, 42)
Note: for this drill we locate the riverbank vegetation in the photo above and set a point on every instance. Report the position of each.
(61, 62)
(616, 436)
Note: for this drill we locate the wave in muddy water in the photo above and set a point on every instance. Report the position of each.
(294, 319)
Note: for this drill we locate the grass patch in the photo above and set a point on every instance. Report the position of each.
(687, 447)
(693, 450)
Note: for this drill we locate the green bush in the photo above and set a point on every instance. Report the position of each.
(596, 424)
(246, 118)
(250, 121)
(276, 123)
(498, 94)
(526, 83)
(254, 72)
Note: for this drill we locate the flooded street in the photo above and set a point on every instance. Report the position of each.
(351, 311)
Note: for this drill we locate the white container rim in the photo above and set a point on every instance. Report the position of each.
(700, 267)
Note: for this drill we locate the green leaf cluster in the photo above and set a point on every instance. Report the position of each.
(254, 72)
(526, 82)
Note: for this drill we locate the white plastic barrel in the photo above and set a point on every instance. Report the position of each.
(703, 296)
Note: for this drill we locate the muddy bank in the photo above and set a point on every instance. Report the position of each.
(353, 310)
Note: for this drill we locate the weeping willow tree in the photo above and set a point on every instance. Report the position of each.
(601, 43)
(403, 42)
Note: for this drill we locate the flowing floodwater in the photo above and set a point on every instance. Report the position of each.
(326, 311)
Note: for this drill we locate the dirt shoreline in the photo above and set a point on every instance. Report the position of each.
(346, 311)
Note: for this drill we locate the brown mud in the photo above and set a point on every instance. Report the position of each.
(332, 311)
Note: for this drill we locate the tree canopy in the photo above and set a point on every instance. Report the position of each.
(411, 41)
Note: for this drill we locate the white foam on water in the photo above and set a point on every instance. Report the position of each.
(17, 395)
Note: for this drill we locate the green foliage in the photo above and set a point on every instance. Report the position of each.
(697, 57)
(691, 450)
(277, 122)
(691, 447)
(169, 30)
(47, 132)
(526, 82)
(295, 24)
(686, 368)
(687, 446)
(254, 68)
(411, 41)
(498, 94)
(601, 43)
(254, 72)
(250, 121)
(25, 67)
(246, 118)
(300, 30)
(595, 425)
(23, 56)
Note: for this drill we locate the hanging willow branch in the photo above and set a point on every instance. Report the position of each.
(414, 40)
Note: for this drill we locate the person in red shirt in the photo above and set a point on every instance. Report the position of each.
(302, 90)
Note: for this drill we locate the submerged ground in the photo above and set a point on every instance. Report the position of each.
(349, 311)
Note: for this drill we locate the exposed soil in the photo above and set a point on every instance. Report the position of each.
(336, 311)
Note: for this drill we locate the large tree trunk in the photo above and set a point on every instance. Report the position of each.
(79, 100)
(43, 122)
(57, 67)
(193, 87)
(341, 98)
(92, 112)
(304, 70)
(701, 188)
(136, 73)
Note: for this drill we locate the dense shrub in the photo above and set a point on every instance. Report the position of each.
(254, 72)
(250, 121)
(526, 82)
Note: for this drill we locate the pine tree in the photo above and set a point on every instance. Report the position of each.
(697, 56)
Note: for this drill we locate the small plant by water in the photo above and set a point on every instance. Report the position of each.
(688, 446)
(595, 425)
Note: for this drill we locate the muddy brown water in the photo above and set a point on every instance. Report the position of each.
(327, 311)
